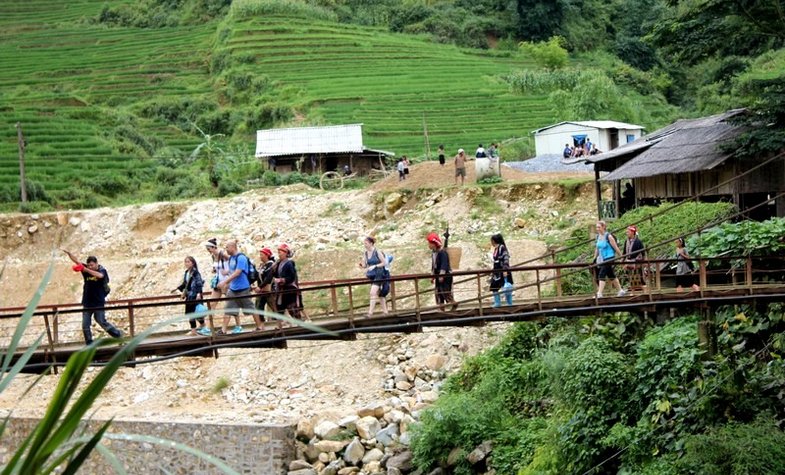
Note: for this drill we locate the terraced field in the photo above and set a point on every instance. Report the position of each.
(349, 74)
(77, 88)
(68, 83)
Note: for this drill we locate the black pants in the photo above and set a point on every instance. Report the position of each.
(190, 307)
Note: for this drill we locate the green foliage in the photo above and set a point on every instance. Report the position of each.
(296, 8)
(745, 238)
(550, 55)
(490, 180)
(529, 81)
(756, 447)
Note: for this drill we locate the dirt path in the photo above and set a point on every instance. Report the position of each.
(432, 175)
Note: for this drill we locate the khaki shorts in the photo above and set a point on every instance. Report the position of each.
(233, 306)
(460, 172)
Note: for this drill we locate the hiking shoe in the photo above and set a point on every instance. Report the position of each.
(204, 331)
(621, 293)
(220, 332)
(237, 329)
(599, 295)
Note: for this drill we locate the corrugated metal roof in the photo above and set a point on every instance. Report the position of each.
(684, 146)
(303, 140)
(595, 124)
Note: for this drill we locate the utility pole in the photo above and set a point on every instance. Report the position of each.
(427, 140)
(22, 185)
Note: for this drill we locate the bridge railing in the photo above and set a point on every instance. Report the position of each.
(413, 294)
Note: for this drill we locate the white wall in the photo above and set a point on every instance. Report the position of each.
(553, 139)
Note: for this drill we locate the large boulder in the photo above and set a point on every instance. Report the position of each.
(354, 452)
(401, 461)
(367, 427)
(388, 436)
(327, 430)
(331, 445)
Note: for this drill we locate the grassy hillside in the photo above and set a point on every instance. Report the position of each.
(109, 111)
(347, 74)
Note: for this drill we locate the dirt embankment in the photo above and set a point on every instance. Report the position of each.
(143, 248)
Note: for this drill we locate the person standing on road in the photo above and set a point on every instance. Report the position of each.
(441, 154)
(238, 287)
(480, 153)
(191, 291)
(96, 287)
(605, 252)
(442, 272)
(460, 166)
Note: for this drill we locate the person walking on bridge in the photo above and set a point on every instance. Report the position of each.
(605, 252)
(374, 262)
(190, 289)
(265, 289)
(238, 285)
(221, 271)
(96, 287)
(287, 284)
(442, 272)
(501, 280)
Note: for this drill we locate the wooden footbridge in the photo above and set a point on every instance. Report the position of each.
(339, 309)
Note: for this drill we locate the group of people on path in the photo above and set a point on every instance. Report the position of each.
(583, 149)
(460, 159)
(633, 252)
(276, 285)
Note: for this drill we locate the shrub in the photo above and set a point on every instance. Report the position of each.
(294, 8)
(550, 54)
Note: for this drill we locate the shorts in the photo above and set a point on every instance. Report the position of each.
(685, 280)
(460, 172)
(233, 306)
(606, 272)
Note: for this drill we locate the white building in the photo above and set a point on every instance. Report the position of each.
(606, 134)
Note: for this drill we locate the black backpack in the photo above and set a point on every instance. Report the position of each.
(251, 272)
(107, 289)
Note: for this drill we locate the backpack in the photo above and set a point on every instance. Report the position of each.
(384, 290)
(107, 289)
(251, 272)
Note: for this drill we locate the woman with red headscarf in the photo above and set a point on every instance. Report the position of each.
(287, 284)
(265, 282)
(442, 273)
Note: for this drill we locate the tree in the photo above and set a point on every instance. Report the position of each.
(539, 20)
(550, 55)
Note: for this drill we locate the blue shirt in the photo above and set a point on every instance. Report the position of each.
(239, 261)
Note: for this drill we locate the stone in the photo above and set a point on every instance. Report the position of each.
(299, 465)
(519, 223)
(331, 445)
(354, 452)
(436, 471)
(393, 202)
(368, 426)
(480, 452)
(373, 455)
(429, 396)
(304, 429)
(403, 385)
(348, 470)
(388, 435)
(324, 457)
(32, 229)
(454, 456)
(401, 461)
(375, 410)
(327, 430)
(349, 422)
(399, 375)
(405, 438)
(393, 471)
(311, 453)
(74, 221)
(435, 362)
(307, 471)
(372, 467)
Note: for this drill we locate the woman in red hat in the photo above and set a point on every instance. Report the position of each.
(287, 285)
(634, 252)
(442, 273)
(265, 282)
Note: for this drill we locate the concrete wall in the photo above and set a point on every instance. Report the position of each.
(247, 448)
(551, 141)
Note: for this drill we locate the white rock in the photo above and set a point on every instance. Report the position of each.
(367, 427)
(74, 221)
(327, 430)
(354, 452)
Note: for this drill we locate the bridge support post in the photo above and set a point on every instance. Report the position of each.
(131, 326)
(51, 341)
(706, 339)
(479, 294)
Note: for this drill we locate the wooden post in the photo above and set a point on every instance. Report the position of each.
(417, 298)
(702, 265)
(21, 142)
(50, 340)
(479, 293)
(748, 273)
(657, 277)
(598, 190)
(392, 296)
(558, 282)
(539, 288)
(351, 305)
(706, 340)
(334, 299)
(131, 326)
(55, 325)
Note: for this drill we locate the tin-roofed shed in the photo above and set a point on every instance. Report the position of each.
(318, 149)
